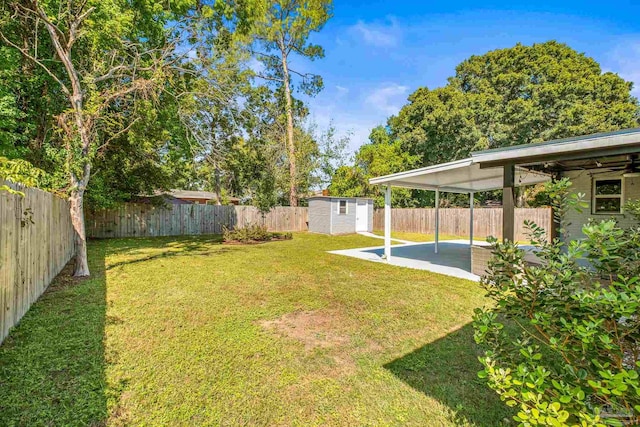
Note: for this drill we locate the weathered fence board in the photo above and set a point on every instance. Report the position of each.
(31, 254)
(455, 221)
(141, 219)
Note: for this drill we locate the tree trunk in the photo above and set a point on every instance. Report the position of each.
(77, 218)
(216, 184)
(293, 191)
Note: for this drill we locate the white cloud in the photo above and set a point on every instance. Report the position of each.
(624, 60)
(388, 98)
(376, 34)
(255, 65)
(342, 90)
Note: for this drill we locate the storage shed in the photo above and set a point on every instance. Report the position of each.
(340, 215)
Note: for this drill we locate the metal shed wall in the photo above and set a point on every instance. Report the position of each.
(346, 223)
(320, 215)
(324, 216)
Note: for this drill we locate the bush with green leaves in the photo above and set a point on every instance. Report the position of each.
(252, 233)
(561, 341)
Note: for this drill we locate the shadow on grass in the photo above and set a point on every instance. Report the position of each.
(52, 365)
(446, 370)
(170, 247)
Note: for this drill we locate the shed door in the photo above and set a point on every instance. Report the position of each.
(362, 215)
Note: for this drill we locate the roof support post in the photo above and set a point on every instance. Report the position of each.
(387, 223)
(471, 218)
(508, 203)
(554, 226)
(437, 219)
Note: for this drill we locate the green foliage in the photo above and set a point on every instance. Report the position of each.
(561, 340)
(284, 27)
(252, 233)
(20, 172)
(506, 97)
(528, 94)
(382, 156)
(632, 207)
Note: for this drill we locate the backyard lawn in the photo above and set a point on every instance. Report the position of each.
(187, 331)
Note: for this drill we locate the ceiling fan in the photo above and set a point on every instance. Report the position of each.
(632, 170)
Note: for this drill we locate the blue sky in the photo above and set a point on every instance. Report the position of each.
(378, 52)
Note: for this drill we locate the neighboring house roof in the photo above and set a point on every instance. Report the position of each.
(338, 197)
(190, 194)
(167, 198)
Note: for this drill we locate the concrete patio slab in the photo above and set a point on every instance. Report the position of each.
(453, 257)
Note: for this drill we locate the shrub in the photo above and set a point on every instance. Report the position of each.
(561, 340)
(252, 233)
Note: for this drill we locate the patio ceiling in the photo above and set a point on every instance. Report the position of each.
(460, 176)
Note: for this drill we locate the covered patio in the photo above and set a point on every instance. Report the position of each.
(452, 259)
(462, 176)
(503, 169)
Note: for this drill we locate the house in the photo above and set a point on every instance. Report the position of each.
(181, 197)
(200, 197)
(604, 166)
(340, 215)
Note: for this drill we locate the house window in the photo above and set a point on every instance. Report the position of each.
(342, 207)
(607, 196)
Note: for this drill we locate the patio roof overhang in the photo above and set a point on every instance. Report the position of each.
(460, 176)
(507, 168)
(599, 145)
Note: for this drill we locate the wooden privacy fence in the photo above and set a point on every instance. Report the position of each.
(141, 219)
(31, 253)
(455, 221)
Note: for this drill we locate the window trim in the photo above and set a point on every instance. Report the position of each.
(607, 196)
(346, 207)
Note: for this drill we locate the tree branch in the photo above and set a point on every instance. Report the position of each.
(27, 55)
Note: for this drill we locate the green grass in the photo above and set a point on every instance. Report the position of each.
(186, 331)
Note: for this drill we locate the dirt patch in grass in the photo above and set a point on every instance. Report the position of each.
(315, 329)
(65, 278)
(327, 348)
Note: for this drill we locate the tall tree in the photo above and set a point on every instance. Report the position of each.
(212, 110)
(103, 53)
(282, 31)
(514, 96)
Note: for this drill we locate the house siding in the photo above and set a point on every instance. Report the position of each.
(582, 183)
(320, 216)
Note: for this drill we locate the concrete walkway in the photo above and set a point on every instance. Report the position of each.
(453, 257)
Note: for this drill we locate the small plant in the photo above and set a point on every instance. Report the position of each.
(562, 340)
(252, 233)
